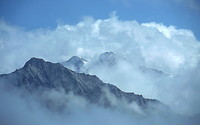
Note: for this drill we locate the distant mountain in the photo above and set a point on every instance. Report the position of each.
(153, 71)
(105, 60)
(108, 58)
(39, 75)
(76, 64)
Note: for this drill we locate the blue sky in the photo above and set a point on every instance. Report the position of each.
(34, 14)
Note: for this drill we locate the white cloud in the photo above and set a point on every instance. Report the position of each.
(162, 47)
(169, 31)
(21, 108)
(153, 45)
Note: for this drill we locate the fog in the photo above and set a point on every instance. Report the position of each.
(165, 48)
(18, 107)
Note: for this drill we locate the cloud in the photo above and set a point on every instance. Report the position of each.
(30, 109)
(90, 37)
(165, 48)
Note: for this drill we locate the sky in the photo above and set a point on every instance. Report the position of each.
(34, 14)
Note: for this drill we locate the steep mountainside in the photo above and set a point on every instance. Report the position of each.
(40, 75)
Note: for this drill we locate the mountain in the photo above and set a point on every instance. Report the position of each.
(108, 58)
(38, 75)
(76, 64)
(155, 72)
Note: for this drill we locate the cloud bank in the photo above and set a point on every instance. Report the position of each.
(166, 48)
(30, 109)
(154, 45)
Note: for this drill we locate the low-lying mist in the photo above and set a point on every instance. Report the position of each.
(53, 107)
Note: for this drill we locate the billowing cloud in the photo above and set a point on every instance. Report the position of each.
(151, 44)
(165, 48)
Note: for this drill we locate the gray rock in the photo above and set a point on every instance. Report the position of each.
(40, 75)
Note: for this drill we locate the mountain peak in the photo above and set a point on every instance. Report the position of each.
(34, 61)
(108, 58)
(75, 58)
(76, 64)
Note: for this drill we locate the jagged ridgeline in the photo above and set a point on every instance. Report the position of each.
(39, 75)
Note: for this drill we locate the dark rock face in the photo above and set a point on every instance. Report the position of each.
(39, 75)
